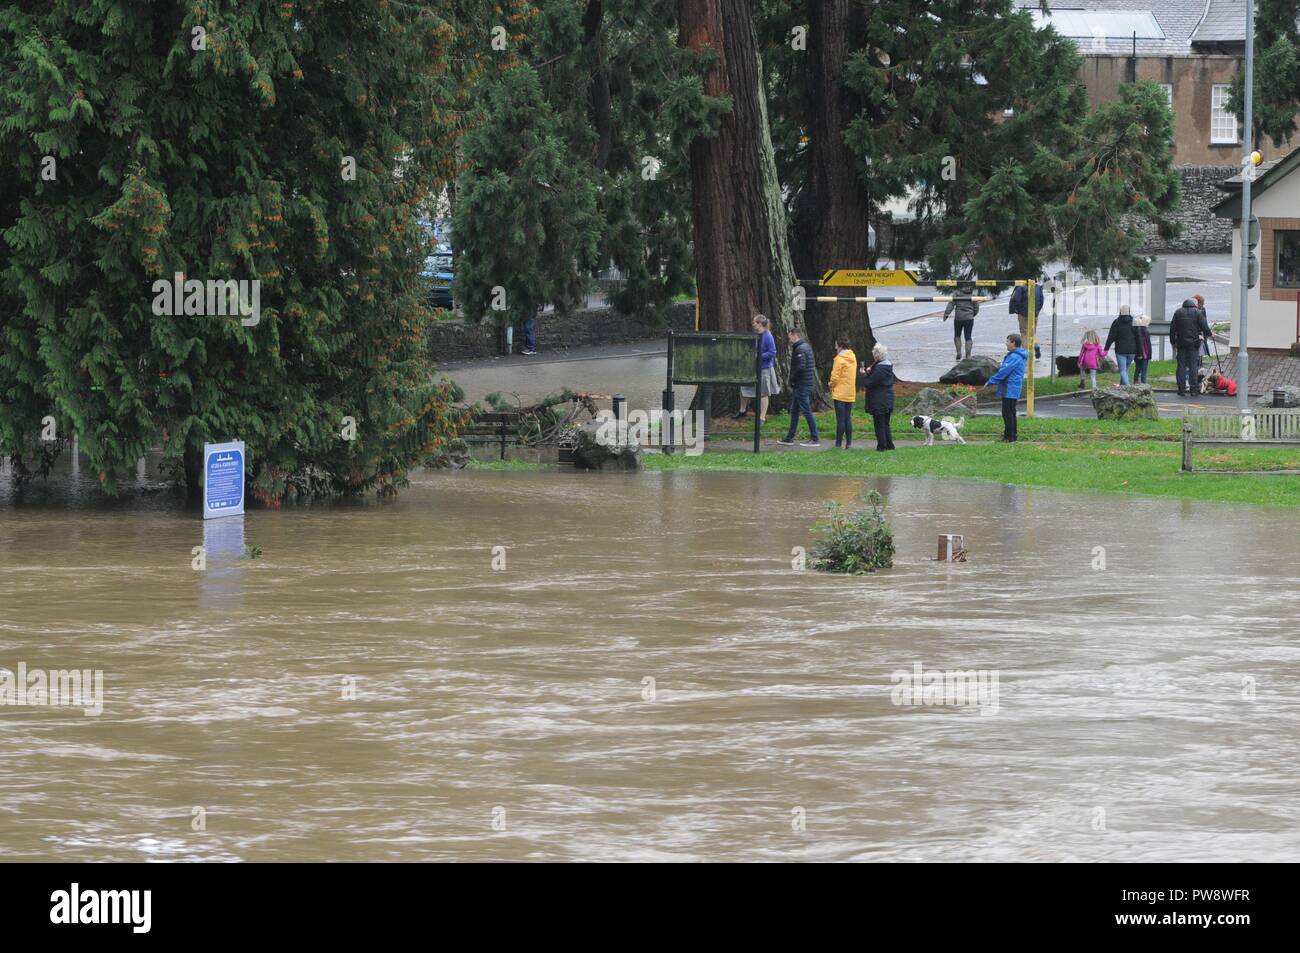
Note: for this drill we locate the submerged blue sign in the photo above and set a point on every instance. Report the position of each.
(223, 479)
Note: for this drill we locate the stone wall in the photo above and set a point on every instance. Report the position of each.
(460, 341)
(1202, 232)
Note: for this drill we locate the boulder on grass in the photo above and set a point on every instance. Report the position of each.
(930, 401)
(976, 369)
(1120, 402)
(597, 448)
(1292, 398)
(1067, 366)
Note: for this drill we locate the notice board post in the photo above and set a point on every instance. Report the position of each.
(713, 357)
(223, 479)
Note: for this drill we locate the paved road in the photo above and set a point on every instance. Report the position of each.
(920, 342)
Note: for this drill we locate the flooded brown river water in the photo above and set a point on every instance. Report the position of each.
(1149, 710)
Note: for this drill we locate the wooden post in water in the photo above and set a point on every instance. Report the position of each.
(950, 544)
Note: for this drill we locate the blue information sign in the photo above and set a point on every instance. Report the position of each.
(223, 479)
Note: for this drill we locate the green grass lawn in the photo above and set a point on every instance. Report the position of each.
(1044, 386)
(1143, 467)
(987, 425)
(1139, 457)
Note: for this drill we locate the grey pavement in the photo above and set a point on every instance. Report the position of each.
(920, 342)
(1169, 403)
(647, 348)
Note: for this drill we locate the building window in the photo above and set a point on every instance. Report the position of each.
(1223, 124)
(1286, 266)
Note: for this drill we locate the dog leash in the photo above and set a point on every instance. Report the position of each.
(953, 404)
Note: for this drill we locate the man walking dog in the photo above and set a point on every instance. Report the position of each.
(1009, 378)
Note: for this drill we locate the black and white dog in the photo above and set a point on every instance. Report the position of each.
(947, 429)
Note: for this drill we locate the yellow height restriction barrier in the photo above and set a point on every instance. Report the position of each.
(868, 278)
(874, 299)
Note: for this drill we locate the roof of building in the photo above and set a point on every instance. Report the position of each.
(1268, 174)
(1162, 27)
(1224, 22)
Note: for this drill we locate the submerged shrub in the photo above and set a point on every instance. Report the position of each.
(856, 543)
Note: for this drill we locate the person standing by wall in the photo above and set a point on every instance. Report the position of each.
(1187, 330)
(530, 335)
(803, 371)
(844, 391)
(1124, 339)
(767, 382)
(879, 382)
(1009, 378)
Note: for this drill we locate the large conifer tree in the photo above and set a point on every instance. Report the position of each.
(284, 142)
(570, 166)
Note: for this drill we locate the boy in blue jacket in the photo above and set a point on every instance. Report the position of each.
(1009, 377)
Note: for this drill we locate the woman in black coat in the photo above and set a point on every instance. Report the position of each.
(878, 379)
(1123, 336)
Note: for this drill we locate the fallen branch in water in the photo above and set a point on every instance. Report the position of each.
(544, 422)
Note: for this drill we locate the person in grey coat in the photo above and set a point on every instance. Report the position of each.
(963, 314)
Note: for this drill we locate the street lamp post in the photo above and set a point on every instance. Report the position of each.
(1247, 174)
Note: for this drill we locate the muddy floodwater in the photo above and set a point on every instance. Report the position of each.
(646, 676)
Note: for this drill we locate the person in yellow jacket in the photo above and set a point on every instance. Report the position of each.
(844, 391)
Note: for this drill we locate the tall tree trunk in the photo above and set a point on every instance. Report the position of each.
(833, 207)
(742, 255)
(600, 107)
(193, 461)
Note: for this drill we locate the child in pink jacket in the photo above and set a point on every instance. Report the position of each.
(1090, 357)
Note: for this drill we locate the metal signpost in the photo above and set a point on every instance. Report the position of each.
(712, 357)
(1247, 175)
